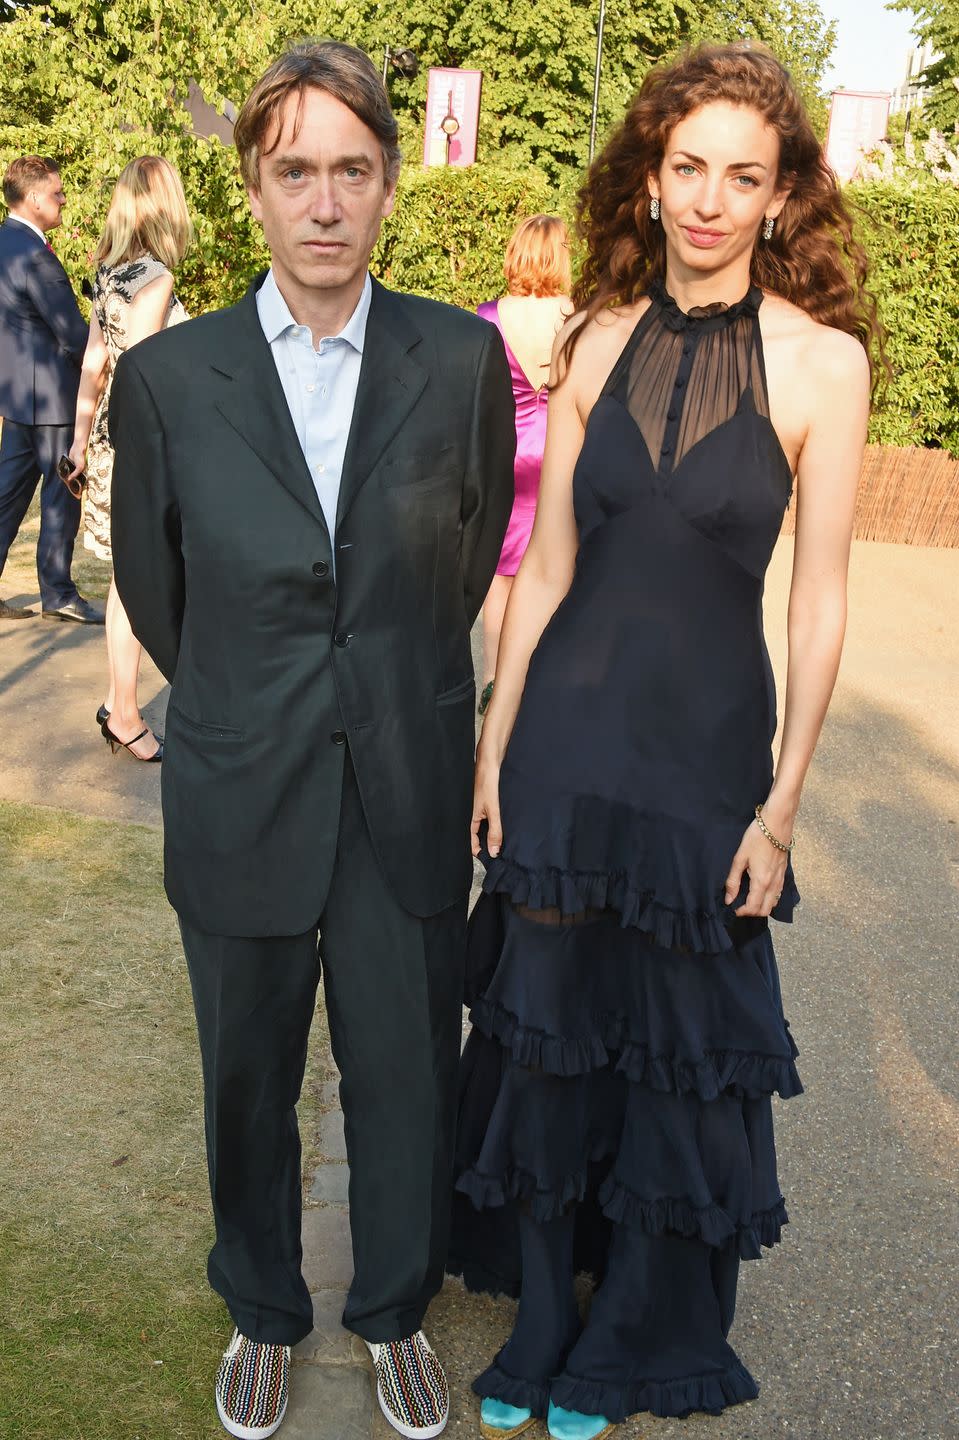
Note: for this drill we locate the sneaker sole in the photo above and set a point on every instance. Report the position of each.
(250, 1432)
(425, 1432)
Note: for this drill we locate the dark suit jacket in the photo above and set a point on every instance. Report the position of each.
(42, 333)
(224, 564)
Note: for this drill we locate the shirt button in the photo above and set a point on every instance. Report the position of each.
(310, 389)
(671, 415)
(666, 450)
(321, 469)
(338, 737)
(342, 638)
(680, 382)
(321, 569)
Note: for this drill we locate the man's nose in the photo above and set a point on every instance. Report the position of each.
(324, 204)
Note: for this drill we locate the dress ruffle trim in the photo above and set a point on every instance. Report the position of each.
(674, 1216)
(699, 931)
(489, 1192)
(496, 1384)
(664, 1215)
(717, 1072)
(666, 1398)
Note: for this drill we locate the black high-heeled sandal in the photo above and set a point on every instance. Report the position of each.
(103, 716)
(117, 745)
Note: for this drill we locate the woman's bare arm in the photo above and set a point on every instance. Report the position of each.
(543, 578)
(836, 381)
(93, 375)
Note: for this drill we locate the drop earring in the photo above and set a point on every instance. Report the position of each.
(654, 209)
(768, 227)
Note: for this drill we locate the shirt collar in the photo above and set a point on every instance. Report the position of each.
(21, 220)
(275, 317)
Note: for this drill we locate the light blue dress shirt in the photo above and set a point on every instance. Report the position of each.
(319, 385)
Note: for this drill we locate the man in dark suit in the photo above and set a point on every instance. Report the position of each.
(42, 340)
(310, 494)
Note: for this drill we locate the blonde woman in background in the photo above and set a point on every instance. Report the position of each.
(538, 279)
(146, 235)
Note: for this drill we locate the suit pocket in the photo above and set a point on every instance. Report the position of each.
(422, 471)
(207, 728)
(465, 690)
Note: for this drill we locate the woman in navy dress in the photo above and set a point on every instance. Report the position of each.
(628, 1030)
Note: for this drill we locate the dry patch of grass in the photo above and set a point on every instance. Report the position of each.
(107, 1329)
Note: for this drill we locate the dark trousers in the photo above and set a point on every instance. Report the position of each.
(27, 453)
(393, 985)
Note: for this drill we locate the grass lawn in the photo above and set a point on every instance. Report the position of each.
(107, 1328)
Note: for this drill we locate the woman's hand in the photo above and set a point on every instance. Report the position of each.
(77, 454)
(486, 805)
(764, 863)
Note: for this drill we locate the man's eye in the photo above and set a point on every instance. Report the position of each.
(293, 174)
(353, 172)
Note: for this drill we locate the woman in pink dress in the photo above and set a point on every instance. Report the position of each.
(537, 273)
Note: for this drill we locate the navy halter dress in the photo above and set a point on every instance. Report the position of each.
(627, 1028)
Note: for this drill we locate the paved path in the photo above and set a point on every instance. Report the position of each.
(850, 1325)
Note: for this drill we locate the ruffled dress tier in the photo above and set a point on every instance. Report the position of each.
(627, 1028)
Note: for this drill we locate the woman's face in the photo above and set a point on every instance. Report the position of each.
(717, 184)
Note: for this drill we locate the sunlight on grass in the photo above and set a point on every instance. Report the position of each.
(107, 1330)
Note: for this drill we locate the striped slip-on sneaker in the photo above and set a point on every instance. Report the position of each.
(411, 1386)
(252, 1388)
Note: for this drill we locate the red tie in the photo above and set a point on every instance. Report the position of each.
(49, 246)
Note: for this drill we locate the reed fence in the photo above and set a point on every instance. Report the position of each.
(907, 495)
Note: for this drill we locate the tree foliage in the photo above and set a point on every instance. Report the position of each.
(538, 60)
(937, 23)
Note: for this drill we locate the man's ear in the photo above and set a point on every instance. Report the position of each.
(253, 195)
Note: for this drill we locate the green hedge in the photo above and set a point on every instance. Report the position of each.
(448, 232)
(912, 235)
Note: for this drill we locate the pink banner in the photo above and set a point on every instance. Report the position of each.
(857, 122)
(452, 116)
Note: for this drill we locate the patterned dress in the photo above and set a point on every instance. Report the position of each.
(114, 289)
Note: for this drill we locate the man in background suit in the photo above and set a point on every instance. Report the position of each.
(42, 340)
(309, 497)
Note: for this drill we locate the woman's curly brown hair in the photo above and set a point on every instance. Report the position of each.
(813, 259)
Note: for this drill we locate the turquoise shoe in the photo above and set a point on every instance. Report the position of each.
(499, 1421)
(570, 1425)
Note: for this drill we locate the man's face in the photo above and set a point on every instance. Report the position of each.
(321, 196)
(47, 200)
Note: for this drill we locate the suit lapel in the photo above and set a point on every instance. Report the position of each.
(390, 384)
(254, 404)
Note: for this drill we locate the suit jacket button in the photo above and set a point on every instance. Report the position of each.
(338, 737)
(342, 639)
(321, 569)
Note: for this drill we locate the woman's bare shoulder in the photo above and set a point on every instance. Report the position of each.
(823, 354)
(599, 346)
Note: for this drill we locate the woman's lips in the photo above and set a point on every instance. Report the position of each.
(704, 239)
